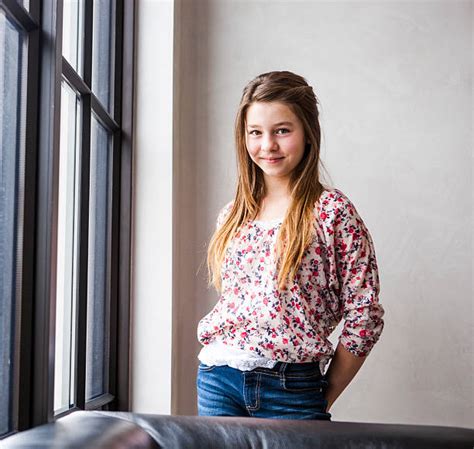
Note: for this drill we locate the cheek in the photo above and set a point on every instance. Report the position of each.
(296, 147)
(252, 149)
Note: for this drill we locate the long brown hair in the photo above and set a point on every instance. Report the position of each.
(297, 229)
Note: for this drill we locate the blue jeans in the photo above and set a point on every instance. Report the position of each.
(286, 391)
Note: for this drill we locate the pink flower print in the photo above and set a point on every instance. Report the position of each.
(244, 334)
(323, 215)
(285, 341)
(265, 301)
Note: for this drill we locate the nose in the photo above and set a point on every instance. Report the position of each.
(268, 142)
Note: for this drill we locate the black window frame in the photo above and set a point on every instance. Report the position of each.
(34, 346)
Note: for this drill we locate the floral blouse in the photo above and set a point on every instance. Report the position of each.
(337, 279)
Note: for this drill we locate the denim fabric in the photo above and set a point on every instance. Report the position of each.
(286, 391)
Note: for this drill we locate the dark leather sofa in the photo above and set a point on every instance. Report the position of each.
(120, 430)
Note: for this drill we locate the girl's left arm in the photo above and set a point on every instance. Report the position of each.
(344, 366)
(359, 288)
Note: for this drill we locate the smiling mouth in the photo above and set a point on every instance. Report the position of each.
(273, 159)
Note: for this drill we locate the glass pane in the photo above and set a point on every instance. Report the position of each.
(102, 64)
(67, 250)
(97, 305)
(73, 31)
(10, 117)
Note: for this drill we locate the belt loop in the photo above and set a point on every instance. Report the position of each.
(283, 367)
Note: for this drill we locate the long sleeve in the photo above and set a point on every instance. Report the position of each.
(357, 272)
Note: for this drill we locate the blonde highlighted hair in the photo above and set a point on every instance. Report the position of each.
(297, 229)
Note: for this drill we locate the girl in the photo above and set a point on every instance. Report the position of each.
(290, 258)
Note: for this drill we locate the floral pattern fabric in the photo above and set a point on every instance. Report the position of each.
(337, 280)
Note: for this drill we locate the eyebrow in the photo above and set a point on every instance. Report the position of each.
(276, 124)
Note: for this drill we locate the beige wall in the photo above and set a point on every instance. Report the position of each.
(395, 83)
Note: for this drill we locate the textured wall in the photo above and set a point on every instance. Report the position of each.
(395, 83)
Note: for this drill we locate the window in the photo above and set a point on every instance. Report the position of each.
(65, 191)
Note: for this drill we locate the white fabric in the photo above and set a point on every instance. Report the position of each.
(218, 353)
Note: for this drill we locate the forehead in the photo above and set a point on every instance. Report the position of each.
(267, 113)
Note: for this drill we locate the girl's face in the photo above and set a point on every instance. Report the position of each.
(275, 139)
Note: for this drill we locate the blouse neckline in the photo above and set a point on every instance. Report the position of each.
(272, 222)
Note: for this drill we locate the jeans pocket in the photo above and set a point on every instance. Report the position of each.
(305, 383)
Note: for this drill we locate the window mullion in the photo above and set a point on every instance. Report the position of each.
(84, 212)
(46, 217)
(125, 89)
(28, 249)
(113, 297)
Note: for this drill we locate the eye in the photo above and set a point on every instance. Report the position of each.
(282, 131)
(253, 132)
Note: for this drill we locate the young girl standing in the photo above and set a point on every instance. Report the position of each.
(290, 258)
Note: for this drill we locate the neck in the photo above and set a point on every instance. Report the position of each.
(277, 188)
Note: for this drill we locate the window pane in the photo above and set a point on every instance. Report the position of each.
(67, 250)
(73, 30)
(102, 64)
(97, 305)
(10, 118)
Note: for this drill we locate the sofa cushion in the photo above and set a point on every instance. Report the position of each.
(124, 430)
(192, 432)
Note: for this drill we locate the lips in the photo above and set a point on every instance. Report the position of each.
(272, 159)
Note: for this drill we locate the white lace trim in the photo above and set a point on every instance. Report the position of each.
(218, 353)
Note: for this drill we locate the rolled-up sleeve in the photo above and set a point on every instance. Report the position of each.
(358, 276)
